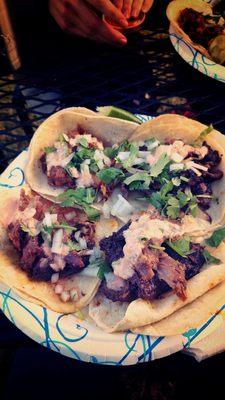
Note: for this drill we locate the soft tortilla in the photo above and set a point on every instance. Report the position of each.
(189, 317)
(41, 293)
(169, 126)
(173, 13)
(116, 316)
(109, 130)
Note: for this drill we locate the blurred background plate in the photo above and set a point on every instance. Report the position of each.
(196, 59)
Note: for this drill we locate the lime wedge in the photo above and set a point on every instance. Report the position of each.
(115, 112)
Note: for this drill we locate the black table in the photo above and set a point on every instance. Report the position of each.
(147, 77)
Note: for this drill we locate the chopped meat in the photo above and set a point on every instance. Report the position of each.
(59, 177)
(113, 245)
(212, 174)
(41, 205)
(17, 236)
(41, 270)
(173, 273)
(147, 262)
(148, 290)
(74, 260)
(24, 200)
(124, 294)
(199, 27)
(31, 252)
(213, 157)
(43, 163)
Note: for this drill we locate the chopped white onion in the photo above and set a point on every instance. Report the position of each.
(153, 145)
(199, 166)
(67, 160)
(65, 296)
(77, 235)
(58, 289)
(70, 215)
(57, 241)
(177, 157)
(82, 242)
(55, 277)
(175, 166)
(122, 209)
(123, 155)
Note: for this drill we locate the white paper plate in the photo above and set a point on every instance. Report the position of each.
(196, 59)
(81, 339)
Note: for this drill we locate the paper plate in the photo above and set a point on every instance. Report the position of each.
(81, 339)
(196, 59)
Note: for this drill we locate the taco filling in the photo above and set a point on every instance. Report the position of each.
(202, 29)
(174, 177)
(148, 258)
(74, 160)
(53, 242)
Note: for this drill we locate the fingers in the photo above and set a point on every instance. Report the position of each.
(147, 4)
(109, 10)
(126, 9)
(136, 8)
(84, 22)
(118, 4)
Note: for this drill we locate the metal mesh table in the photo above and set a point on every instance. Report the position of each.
(147, 77)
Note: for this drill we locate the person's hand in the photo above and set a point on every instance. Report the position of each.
(132, 8)
(83, 18)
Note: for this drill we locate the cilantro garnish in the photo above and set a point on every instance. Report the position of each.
(181, 246)
(82, 197)
(210, 259)
(139, 176)
(83, 142)
(49, 149)
(103, 266)
(173, 208)
(133, 154)
(73, 246)
(64, 225)
(108, 175)
(158, 167)
(217, 237)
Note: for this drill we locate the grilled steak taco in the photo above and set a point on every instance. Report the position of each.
(46, 252)
(173, 163)
(195, 21)
(155, 271)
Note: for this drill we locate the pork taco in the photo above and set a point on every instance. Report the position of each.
(47, 252)
(196, 22)
(67, 151)
(155, 270)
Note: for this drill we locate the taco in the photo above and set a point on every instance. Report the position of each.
(195, 22)
(48, 254)
(159, 162)
(68, 136)
(155, 271)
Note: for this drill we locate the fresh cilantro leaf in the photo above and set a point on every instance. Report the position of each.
(158, 167)
(61, 138)
(64, 225)
(173, 208)
(138, 176)
(73, 246)
(167, 187)
(210, 259)
(82, 155)
(82, 197)
(108, 175)
(133, 154)
(27, 230)
(200, 139)
(181, 246)
(156, 200)
(91, 212)
(83, 142)
(217, 237)
(111, 152)
(49, 149)
(193, 207)
(138, 185)
(103, 266)
(183, 199)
